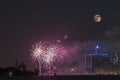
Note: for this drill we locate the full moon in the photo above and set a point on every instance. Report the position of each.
(97, 18)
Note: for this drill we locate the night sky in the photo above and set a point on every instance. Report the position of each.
(26, 21)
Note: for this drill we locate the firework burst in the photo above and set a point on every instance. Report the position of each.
(46, 53)
(38, 51)
(51, 53)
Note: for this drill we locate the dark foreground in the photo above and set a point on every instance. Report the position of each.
(73, 77)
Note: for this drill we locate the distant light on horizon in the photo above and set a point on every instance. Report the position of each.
(97, 47)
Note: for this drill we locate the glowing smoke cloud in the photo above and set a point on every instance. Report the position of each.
(69, 56)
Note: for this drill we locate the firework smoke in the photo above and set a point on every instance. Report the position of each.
(68, 56)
